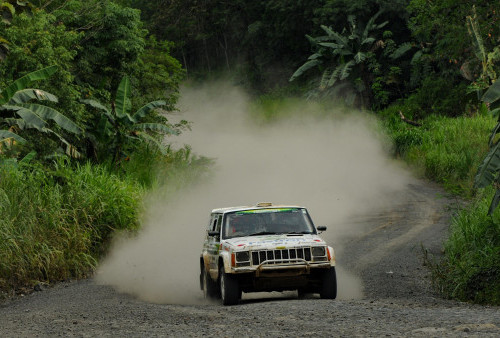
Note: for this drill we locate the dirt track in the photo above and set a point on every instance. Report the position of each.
(397, 300)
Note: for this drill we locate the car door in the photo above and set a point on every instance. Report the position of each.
(214, 244)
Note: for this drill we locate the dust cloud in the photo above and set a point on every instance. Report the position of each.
(333, 163)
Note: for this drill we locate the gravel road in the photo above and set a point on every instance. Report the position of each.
(397, 298)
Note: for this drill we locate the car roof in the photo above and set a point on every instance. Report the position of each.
(255, 207)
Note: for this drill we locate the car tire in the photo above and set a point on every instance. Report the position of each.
(329, 284)
(209, 286)
(229, 288)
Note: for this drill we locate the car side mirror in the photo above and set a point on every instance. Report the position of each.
(321, 228)
(213, 233)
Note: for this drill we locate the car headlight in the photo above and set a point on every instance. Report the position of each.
(318, 251)
(242, 256)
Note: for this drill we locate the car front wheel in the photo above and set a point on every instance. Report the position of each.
(229, 288)
(329, 284)
(209, 286)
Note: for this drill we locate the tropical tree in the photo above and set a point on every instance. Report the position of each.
(344, 56)
(489, 171)
(7, 10)
(18, 112)
(118, 131)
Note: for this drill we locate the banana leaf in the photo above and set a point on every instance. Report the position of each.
(47, 113)
(306, 66)
(25, 81)
(144, 110)
(492, 94)
(27, 159)
(26, 95)
(148, 138)
(122, 96)
(156, 127)
(488, 170)
(32, 120)
(6, 135)
(494, 202)
(98, 105)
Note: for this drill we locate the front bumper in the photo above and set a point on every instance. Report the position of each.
(289, 266)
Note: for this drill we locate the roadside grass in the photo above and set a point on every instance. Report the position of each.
(56, 222)
(445, 150)
(449, 151)
(470, 270)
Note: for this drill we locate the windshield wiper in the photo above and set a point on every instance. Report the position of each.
(263, 233)
(299, 233)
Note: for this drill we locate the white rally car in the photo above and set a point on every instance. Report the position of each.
(265, 248)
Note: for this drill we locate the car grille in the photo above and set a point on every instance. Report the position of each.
(281, 256)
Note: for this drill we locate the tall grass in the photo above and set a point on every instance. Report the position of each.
(56, 222)
(470, 270)
(449, 151)
(53, 223)
(445, 150)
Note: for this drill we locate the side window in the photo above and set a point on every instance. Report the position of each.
(210, 223)
(214, 223)
(219, 223)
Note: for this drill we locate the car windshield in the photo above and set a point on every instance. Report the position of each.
(267, 222)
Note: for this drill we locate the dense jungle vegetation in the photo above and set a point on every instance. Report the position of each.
(86, 87)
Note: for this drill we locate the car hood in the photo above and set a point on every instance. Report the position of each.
(266, 242)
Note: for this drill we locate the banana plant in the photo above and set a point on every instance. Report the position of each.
(338, 54)
(117, 129)
(489, 171)
(18, 112)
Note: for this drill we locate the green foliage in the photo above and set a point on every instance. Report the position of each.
(157, 74)
(354, 59)
(16, 111)
(37, 42)
(53, 224)
(118, 131)
(438, 96)
(470, 270)
(8, 8)
(113, 40)
(488, 172)
(446, 150)
(448, 50)
(487, 60)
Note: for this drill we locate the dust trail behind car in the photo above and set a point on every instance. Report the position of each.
(334, 163)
